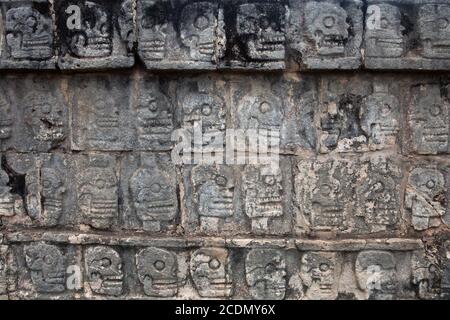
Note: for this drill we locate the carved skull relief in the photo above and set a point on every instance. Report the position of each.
(320, 272)
(6, 197)
(376, 274)
(104, 270)
(198, 23)
(98, 196)
(263, 191)
(428, 120)
(153, 29)
(52, 194)
(261, 28)
(207, 107)
(211, 272)
(126, 23)
(265, 271)
(154, 117)
(380, 116)
(215, 192)
(47, 267)
(29, 34)
(384, 31)
(158, 272)
(154, 197)
(434, 30)
(425, 275)
(94, 39)
(45, 118)
(327, 26)
(104, 119)
(426, 197)
(6, 120)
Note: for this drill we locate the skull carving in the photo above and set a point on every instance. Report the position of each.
(45, 118)
(376, 274)
(425, 275)
(261, 28)
(158, 272)
(380, 202)
(319, 273)
(429, 120)
(327, 203)
(47, 267)
(265, 271)
(104, 120)
(211, 272)
(154, 197)
(104, 270)
(263, 192)
(261, 112)
(98, 196)
(380, 116)
(53, 190)
(426, 197)
(29, 34)
(154, 118)
(384, 31)
(126, 23)
(198, 30)
(153, 29)
(6, 120)
(6, 197)
(434, 30)
(215, 190)
(327, 26)
(94, 40)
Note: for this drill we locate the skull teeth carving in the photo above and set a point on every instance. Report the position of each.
(47, 267)
(29, 34)
(327, 27)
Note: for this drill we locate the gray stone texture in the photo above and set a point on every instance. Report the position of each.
(94, 206)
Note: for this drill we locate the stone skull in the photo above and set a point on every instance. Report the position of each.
(153, 29)
(327, 26)
(158, 272)
(29, 34)
(104, 120)
(47, 267)
(198, 23)
(319, 273)
(154, 197)
(154, 117)
(426, 197)
(94, 40)
(98, 196)
(376, 274)
(45, 118)
(104, 270)
(380, 116)
(53, 190)
(261, 28)
(265, 271)
(429, 120)
(211, 272)
(434, 30)
(384, 31)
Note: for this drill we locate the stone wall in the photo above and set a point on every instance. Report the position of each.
(92, 205)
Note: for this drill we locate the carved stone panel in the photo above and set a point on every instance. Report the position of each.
(28, 38)
(96, 34)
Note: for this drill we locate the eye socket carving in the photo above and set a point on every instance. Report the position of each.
(159, 265)
(201, 22)
(214, 264)
(329, 21)
(324, 267)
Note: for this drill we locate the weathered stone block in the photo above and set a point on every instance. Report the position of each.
(410, 35)
(95, 34)
(327, 34)
(27, 39)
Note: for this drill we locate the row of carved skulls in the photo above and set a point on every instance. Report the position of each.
(160, 274)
